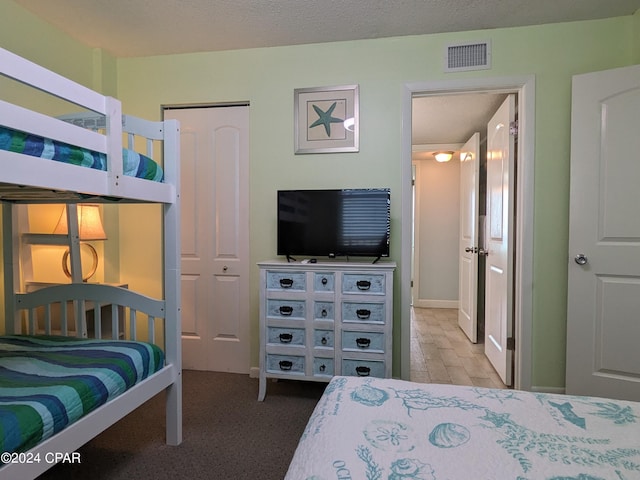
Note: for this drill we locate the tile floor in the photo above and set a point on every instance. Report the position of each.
(442, 353)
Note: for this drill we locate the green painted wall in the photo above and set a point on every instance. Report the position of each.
(266, 78)
(28, 36)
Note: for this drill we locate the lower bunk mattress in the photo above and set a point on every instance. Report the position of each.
(49, 382)
(134, 164)
(397, 430)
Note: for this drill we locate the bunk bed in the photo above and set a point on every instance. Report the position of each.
(148, 353)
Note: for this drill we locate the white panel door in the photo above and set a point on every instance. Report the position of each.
(215, 237)
(603, 315)
(499, 242)
(468, 262)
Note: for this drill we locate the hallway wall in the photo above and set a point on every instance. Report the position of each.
(437, 232)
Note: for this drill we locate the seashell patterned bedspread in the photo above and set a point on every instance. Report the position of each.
(383, 429)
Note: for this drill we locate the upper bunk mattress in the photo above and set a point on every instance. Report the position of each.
(49, 382)
(134, 164)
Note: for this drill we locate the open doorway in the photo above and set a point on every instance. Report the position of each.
(520, 284)
(447, 191)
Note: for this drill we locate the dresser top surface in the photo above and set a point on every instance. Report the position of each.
(328, 265)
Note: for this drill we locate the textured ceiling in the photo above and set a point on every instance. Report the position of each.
(128, 28)
(445, 122)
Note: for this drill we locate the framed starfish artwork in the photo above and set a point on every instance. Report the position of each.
(326, 119)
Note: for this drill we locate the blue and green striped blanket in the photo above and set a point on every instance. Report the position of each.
(49, 382)
(135, 164)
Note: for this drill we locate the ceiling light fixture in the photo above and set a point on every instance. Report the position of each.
(443, 156)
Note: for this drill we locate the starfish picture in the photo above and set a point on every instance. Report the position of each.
(325, 118)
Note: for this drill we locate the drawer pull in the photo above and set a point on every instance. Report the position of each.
(322, 367)
(285, 364)
(363, 313)
(363, 371)
(286, 282)
(363, 342)
(363, 284)
(286, 337)
(286, 310)
(324, 341)
(324, 313)
(324, 280)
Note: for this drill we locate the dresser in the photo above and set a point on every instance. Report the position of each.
(318, 320)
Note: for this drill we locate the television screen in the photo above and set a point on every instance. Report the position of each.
(333, 223)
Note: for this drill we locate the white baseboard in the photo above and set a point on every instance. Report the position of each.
(421, 303)
(556, 390)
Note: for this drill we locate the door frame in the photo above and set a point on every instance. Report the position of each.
(524, 87)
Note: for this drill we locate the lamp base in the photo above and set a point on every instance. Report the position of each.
(94, 266)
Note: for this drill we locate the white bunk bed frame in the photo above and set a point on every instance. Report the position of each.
(26, 179)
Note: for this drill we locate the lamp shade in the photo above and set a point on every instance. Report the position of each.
(89, 223)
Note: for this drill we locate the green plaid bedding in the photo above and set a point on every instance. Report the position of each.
(135, 164)
(49, 382)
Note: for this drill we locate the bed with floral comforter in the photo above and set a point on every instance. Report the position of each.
(374, 429)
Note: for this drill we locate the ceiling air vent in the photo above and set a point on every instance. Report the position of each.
(468, 56)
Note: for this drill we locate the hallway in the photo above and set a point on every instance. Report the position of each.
(441, 353)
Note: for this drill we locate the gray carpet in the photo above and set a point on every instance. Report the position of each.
(227, 433)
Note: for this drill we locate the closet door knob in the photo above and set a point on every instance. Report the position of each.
(581, 259)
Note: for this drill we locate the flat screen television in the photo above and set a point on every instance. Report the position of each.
(332, 223)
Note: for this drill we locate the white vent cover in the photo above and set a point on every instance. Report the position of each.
(468, 56)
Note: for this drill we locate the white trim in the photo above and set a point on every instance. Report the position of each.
(554, 390)
(415, 193)
(426, 303)
(434, 147)
(523, 294)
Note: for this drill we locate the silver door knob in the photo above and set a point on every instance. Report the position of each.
(581, 259)
(225, 268)
(483, 253)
